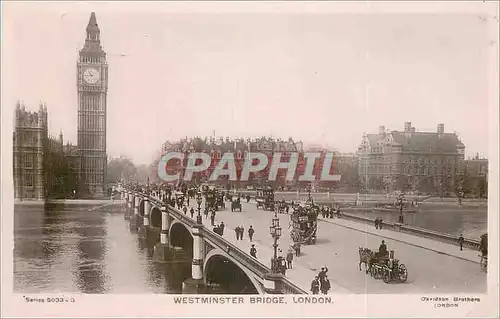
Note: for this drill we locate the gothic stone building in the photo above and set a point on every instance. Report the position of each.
(411, 161)
(40, 163)
(92, 86)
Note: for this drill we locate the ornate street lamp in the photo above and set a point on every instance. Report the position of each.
(400, 203)
(198, 217)
(275, 231)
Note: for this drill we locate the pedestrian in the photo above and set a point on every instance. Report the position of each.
(188, 200)
(222, 226)
(376, 223)
(251, 231)
(184, 209)
(289, 258)
(282, 265)
(237, 231)
(315, 286)
(380, 223)
(253, 251)
(212, 219)
(322, 273)
(287, 209)
(461, 241)
(297, 249)
(192, 212)
(242, 231)
(325, 285)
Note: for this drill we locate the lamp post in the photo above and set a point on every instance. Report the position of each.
(275, 231)
(198, 217)
(400, 203)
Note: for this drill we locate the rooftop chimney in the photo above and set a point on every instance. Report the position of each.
(381, 129)
(407, 126)
(440, 129)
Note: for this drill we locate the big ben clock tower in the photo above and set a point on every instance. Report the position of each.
(92, 86)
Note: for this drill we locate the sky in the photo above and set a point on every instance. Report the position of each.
(324, 78)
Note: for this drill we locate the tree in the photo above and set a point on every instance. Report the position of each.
(482, 187)
(121, 168)
(444, 185)
(403, 183)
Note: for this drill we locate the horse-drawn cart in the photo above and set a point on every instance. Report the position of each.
(236, 204)
(382, 267)
(265, 198)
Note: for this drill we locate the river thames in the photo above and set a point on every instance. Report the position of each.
(89, 249)
(81, 249)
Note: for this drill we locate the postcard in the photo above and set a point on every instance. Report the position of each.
(249, 159)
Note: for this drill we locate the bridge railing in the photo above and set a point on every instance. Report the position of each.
(254, 265)
(421, 232)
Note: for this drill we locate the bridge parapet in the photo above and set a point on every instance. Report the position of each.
(427, 233)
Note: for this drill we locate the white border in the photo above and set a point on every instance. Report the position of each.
(13, 305)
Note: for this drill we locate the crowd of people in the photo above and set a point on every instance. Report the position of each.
(321, 282)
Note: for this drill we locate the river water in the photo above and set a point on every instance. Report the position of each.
(89, 249)
(449, 218)
(85, 249)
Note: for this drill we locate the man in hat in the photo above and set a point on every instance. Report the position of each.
(461, 241)
(253, 251)
(315, 286)
(322, 273)
(251, 231)
(382, 249)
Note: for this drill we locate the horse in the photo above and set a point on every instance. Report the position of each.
(365, 257)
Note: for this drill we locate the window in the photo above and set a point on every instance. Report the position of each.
(29, 180)
(28, 161)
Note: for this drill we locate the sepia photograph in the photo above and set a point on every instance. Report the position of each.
(326, 159)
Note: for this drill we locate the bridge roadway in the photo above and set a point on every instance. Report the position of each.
(433, 267)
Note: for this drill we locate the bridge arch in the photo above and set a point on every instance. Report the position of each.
(180, 236)
(141, 207)
(155, 216)
(234, 278)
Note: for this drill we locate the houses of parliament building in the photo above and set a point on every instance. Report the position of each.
(45, 167)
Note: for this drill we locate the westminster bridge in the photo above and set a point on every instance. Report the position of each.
(434, 260)
(184, 239)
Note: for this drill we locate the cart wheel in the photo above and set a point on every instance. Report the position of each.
(373, 272)
(387, 276)
(403, 273)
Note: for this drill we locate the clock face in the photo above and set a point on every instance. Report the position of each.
(91, 75)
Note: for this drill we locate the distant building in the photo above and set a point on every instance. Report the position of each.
(477, 167)
(240, 147)
(410, 160)
(475, 176)
(40, 162)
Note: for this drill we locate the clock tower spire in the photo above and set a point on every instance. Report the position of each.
(93, 32)
(92, 88)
